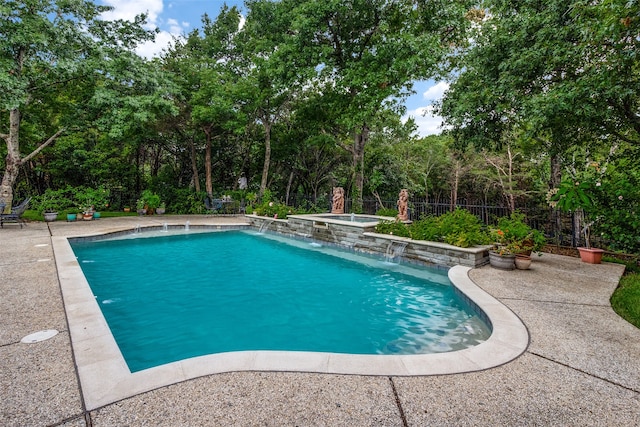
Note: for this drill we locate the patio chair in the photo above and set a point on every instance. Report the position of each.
(16, 213)
(212, 205)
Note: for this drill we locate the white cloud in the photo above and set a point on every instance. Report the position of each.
(426, 121)
(436, 91)
(169, 29)
(128, 9)
(151, 49)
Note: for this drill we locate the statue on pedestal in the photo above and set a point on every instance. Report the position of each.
(403, 202)
(337, 200)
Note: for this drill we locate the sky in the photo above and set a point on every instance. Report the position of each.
(177, 17)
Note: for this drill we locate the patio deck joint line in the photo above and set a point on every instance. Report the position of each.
(398, 403)
(583, 304)
(585, 372)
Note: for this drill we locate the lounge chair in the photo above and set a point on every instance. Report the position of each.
(16, 213)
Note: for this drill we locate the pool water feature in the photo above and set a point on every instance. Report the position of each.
(279, 294)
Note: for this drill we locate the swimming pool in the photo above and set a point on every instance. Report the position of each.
(171, 298)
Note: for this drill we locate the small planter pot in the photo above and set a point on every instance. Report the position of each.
(79, 217)
(160, 211)
(591, 255)
(96, 215)
(50, 216)
(523, 262)
(502, 262)
(71, 217)
(87, 216)
(142, 212)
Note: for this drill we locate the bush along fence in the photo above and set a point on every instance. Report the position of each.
(560, 228)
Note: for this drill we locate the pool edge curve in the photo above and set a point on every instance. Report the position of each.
(105, 377)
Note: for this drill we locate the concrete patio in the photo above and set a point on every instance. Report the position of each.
(582, 366)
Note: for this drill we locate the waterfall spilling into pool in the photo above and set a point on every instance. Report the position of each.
(394, 251)
(265, 226)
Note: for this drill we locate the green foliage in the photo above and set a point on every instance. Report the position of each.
(396, 228)
(427, 228)
(186, 201)
(626, 299)
(459, 228)
(51, 201)
(387, 212)
(88, 199)
(150, 199)
(513, 235)
(573, 195)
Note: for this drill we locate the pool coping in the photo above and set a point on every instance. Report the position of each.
(105, 377)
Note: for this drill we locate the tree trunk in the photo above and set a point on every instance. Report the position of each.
(194, 166)
(359, 142)
(289, 183)
(207, 163)
(454, 186)
(267, 156)
(12, 161)
(554, 182)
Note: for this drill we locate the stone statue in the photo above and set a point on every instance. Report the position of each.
(337, 201)
(403, 201)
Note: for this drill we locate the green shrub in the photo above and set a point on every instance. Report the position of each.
(51, 201)
(150, 199)
(396, 228)
(461, 228)
(387, 212)
(426, 228)
(516, 236)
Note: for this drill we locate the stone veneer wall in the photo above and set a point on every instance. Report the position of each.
(364, 239)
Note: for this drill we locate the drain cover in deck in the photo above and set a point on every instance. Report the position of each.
(39, 336)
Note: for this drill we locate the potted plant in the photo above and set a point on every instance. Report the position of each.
(576, 197)
(151, 201)
(50, 202)
(501, 256)
(91, 201)
(515, 239)
(161, 209)
(140, 207)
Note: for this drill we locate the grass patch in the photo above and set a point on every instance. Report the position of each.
(31, 215)
(626, 298)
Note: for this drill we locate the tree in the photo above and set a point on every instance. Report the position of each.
(366, 54)
(45, 45)
(204, 66)
(560, 73)
(270, 77)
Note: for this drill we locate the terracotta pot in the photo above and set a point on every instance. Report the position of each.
(503, 262)
(591, 255)
(523, 262)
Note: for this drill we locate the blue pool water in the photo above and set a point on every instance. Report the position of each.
(174, 297)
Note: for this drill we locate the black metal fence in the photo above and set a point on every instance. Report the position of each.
(559, 228)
